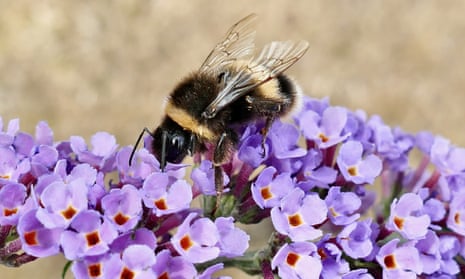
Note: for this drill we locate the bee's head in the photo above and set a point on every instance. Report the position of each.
(171, 143)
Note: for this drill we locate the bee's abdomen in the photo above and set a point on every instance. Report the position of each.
(290, 93)
(276, 97)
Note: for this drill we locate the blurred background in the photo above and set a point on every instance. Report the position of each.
(88, 66)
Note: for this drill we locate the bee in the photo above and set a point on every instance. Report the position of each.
(231, 87)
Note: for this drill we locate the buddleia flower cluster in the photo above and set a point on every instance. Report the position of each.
(347, 195)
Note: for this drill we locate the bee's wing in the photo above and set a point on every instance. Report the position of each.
(238, 43)
(275, 58)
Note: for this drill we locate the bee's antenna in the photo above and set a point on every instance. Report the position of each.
(164, 137)
(145, 130)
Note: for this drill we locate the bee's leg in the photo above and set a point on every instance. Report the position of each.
(220, 156)
(219, 184)
(268, 122)
(266, 108)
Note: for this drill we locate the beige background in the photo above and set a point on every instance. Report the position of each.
(87, 66)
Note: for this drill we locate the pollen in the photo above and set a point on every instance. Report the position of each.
(353, 171)
(161, 204)
(457, 218)
(126, 273)
(399, 222)
(266, 193)
(69, 212)
(390, 261)
(295, 220)
(292, 259)
(333, 212)
(93, 238)
(164, 275)
(186, 242)
(8, 212)
(120, 219)
(322, 254)
(5, 176)
(94, 270)
(323, 137)
(31, 238)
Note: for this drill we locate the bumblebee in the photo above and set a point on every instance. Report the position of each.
(231, 87)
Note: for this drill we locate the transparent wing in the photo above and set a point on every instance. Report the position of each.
(274, 59)
(238, 44)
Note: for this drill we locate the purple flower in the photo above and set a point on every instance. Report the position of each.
(11, 168)
(315, 173)
(208, 273)
(251, 151)
(449, 161)
(81, 171)
(43, 155)
(312, 104)
(399, 261)
(12, 199)
(357, 127)
(456, 216)
(164, 194)
(144, 164)
(141, 236)
(357, 274)
(233, 242)
(391, 144)
(428, 248)
(123, 207)
(446, 157)
(44, 134)
(62, 202)
(449, 247)
(96, 266)
(204, 178)
(354, 167)
(138, 260)
(342, 206)
(297, 260)
(62, 197)
(89, 235)
(269, 187)
(197, 240)
(358, 239)
(102, 154)
(298, 214)
(23, 145)
(407, 217)
(331, 257)
(7, 137)
(168, 266)
(284, 141)
(325, 130)
(36, 239)
(43, 160)
(435, 209)
(84, 173)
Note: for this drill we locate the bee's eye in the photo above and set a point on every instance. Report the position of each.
(177, 142)
(176, 148)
